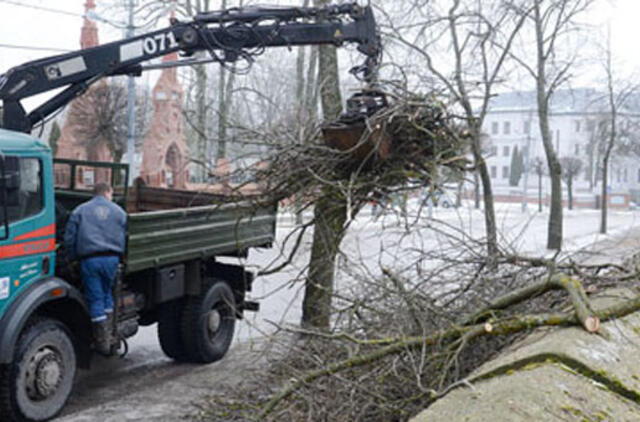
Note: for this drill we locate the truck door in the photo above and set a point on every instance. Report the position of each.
(27, 228)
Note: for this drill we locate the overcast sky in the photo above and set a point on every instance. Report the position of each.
(32, 27)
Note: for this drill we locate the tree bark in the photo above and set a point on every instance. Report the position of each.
(331, 215)
(224, 98)
(610, 141)
(554, 233)
(570, 191)
(476, 191)
(540, 191)
(201, 118)
(487, 193)
(330, 210)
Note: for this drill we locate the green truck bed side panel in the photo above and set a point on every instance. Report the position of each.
(162, 238)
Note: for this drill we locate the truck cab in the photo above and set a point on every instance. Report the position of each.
(27, 215)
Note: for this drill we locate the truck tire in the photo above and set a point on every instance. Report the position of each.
(37, 384)
(208, 323)
(170, 330)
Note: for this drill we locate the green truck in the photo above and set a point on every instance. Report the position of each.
(170, 274)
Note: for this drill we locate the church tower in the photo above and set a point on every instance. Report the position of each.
(69, 144)
(165, 160)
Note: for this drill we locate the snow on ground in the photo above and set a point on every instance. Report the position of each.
(388, 240)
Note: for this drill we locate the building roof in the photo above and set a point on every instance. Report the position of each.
(579, 100)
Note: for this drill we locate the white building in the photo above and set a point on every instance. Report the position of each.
(578, 122)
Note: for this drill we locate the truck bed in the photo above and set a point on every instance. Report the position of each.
(167, 226)
(159, 238)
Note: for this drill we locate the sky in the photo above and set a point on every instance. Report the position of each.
(37, 28)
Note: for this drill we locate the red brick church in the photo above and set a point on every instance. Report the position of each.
(165, 153)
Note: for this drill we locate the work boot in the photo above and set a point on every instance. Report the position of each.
(113, 331)
(102, 338)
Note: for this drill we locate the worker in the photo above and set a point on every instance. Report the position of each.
(95, 235)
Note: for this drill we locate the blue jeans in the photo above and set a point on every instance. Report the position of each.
(98, 277)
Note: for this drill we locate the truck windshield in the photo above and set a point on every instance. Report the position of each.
(24, 188)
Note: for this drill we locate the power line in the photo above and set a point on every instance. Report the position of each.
(26, 47)
(44, 9)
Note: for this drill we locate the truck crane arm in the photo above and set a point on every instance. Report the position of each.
(228, 36)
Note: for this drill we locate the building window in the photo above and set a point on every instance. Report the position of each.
(494, 128)
(638, 175)
(493, 151)
(577, 146)
(577, 126)
(505, 172)
(505, 151)
(506, 128)
(591, 125)
(494, 172)
(527, 127)
(625, 175)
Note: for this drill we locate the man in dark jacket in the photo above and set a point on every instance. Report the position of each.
(95, 234)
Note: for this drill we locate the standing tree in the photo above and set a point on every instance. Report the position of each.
(478, 36)
(330, 209)
(617, 96)
(515, 173)
(554, 22)
(101, 116)
(571, 168)
(54, 135)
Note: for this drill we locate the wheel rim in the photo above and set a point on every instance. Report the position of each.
(44, 374)
(214, 322)
(218, 319)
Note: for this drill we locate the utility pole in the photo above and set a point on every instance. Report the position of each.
(131, 105)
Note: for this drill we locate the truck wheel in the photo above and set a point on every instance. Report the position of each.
(208, 323)
(169, 330)
(38, 383)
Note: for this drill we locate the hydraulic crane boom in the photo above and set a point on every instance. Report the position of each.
(228, 36)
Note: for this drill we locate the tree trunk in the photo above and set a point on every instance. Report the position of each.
(223, 105)
(554, 233)
(476, 192)
(311, 90)
(604, 194)
(487, 193)
(570, 191)
(605, 168)
(331, 214)
(201, 120)
(612, 137)
(301, 116)
(540, 191)
(330, 210)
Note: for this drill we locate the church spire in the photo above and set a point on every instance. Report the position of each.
(89, 35)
